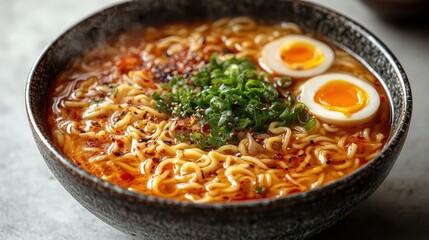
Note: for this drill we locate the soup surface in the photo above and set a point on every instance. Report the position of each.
(212, 112)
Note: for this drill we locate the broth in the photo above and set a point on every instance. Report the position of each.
(105, 119)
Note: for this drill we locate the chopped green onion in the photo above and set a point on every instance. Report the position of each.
(230, 96)
(260, 189)
(96, 101)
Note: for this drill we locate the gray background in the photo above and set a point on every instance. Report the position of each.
(33, 205)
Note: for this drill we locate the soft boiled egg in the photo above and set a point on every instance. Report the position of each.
(297, 56)
(340, 99)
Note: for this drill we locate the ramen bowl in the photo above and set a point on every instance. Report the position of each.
(297, 216)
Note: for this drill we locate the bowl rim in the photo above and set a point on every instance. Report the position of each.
(394, 137)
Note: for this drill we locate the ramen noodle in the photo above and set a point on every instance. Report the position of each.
(104, 116)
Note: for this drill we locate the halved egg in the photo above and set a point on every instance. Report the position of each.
(340, 99)
(297, 56)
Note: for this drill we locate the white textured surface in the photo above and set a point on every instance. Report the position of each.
(33, 205)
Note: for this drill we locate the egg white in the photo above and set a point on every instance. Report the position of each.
(309, 89)
(271, 58)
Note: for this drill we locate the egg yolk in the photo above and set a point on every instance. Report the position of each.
(301, 56)
(341, 96)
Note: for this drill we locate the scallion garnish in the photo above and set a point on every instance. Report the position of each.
(260, 189)
(230, 96)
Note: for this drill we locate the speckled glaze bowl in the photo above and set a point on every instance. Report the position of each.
(298, 216)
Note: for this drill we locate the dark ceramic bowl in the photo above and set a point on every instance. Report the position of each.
(298, 216)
